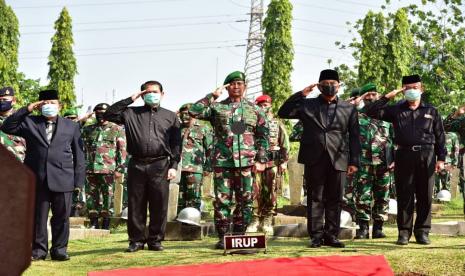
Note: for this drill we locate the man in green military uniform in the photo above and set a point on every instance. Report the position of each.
(197, 142)
(14, 144)
(372, 181)
(455, 122)
(297, 131)
(105, 148)
(265, 190)
(442, 181)
(234, 154)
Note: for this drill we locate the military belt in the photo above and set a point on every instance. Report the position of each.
(415, 147)
(148, 160)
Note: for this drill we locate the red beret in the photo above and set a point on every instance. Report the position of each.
(263, 98)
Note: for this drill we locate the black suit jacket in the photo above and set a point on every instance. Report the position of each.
(61, 162)
(340, 138)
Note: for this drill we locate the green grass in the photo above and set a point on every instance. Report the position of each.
(445, 256)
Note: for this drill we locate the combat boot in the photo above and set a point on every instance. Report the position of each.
(253, 226)
(94, 222)
(268, 225)
(106, 223)
(377, 231)
(363, 230)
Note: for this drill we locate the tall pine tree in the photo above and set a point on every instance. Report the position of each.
(278, 52)
(62, 63)
(9, 43)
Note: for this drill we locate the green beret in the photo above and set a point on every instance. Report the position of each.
(185, 106)
(236, 75)
(369, 87)
(355, 92)
(71, 112)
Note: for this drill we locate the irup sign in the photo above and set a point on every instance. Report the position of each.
(245, 242)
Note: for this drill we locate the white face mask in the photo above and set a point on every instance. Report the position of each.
(50, 110)
(360, 105)
(152, 99)
(412, 95)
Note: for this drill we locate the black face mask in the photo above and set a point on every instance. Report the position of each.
(5, 106)
(367, 102)
(99, 118)
(328, 90)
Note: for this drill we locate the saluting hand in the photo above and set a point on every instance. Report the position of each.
(394, 93)
(357, 100)
(35, 106)
(137, 95)
(218, 91)
(460, 111)
(309, 89)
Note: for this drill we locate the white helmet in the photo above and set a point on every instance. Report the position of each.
(189, 215)
(444, 195)
(392, 207)
(124, 213)
(304, 201)
(346, 219)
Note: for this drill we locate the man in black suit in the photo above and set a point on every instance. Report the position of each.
(329, 149)
(54, 153)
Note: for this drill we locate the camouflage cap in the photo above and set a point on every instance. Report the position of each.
(70, 112)
(185, 106)
(369, 87)
(101, 106)
(236, 75)
(7, 91)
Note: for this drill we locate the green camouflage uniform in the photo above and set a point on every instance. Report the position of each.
(14, 144)
(105, 148)
(228, 169)
(265, 189)
(442, 179)
(457, 125)
(297, 131)
(372, 180)
(197, 142)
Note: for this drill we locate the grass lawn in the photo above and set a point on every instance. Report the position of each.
(445, 256)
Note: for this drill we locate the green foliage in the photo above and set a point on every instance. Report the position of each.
(28, 90)
(9, 43)
(278, 52)
(62, 63)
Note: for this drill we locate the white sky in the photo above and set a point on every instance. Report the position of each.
(119, 44)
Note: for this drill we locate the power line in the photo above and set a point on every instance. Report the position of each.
(329, 9)
(144, 46)
(137, 20)
(320, 32)
(148, 51)
(144, 27)
(95, 4)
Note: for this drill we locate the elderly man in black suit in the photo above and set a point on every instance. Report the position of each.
(329, 149)
(55, 155)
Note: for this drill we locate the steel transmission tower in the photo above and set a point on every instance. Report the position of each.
(254, 55)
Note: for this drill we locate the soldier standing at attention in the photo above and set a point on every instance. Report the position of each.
(233, 167)
(419, 136)
(372, 180)
(195, 158)
(265, 191)
(14, 144)
(105, 149)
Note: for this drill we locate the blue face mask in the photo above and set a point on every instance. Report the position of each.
(50, 110)
(152, 99)
(5, 106)
(412, 95)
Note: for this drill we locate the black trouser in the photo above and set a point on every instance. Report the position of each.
(325, 187)
(414, 176)
(147, 184)
(60, 203)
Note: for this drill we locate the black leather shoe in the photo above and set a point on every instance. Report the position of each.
(38, 258)
(219, 244)
(402, 240)
(333, 242)
(156, 247)
(315, 243)
(60, 257)
(135, 246)
(422, 238)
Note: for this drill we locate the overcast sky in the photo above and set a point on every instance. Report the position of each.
(187, 45)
